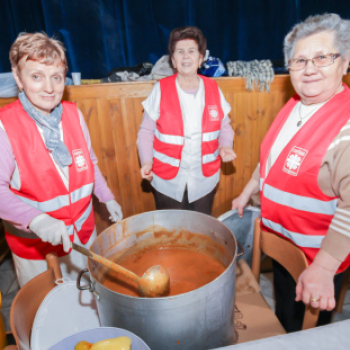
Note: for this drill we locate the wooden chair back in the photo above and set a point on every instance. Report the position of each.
(288, 255)
(27, 301)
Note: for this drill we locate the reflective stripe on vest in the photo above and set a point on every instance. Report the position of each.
(299, 239)
(165, 159)
(171, 139)
(210, 157)
(81, 192)
(60, 201)
(47, 206)
(178, 140)
(211, 136)
(79, 223)
(295, 201)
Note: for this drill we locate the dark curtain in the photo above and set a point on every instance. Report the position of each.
(100, 35)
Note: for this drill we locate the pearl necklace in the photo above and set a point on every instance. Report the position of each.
(305, 116)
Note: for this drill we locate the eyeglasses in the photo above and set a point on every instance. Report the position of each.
(318, 62)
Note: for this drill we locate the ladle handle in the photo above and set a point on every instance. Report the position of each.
(106, 262)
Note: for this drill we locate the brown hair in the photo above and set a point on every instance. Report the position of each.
(185, 33)
(37, 47)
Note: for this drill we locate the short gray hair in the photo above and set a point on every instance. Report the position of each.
(329, 22)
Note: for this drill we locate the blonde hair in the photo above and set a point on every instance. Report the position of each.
(37, 47)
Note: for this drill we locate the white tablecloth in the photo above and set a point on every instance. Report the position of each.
(333, 336)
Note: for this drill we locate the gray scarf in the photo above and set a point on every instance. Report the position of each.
(51, 132)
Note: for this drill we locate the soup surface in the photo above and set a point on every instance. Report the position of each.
(188, 269)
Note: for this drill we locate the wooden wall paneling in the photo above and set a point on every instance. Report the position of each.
(143, 187)
(6, 101)
(142, 200)
(229, 168)
(113, 145)
(253, 122)
(241, 108)
(224, 190)
(89, 109)
(108, 116)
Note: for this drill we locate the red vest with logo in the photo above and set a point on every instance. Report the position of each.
(292, 204)
(41, 184)
(169, 133)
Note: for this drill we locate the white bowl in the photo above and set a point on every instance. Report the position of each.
(96, 334)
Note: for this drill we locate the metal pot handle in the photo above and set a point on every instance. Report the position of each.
(241, 248)
(85, 286)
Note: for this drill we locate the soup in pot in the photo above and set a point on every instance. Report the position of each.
(188, 269)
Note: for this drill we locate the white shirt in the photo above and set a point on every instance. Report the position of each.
(290, 128)
(190, 172)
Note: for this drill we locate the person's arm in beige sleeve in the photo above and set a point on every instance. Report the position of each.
(334, 180)
(250, 188)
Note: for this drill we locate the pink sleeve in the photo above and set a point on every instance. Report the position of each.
(101, 190)
(145, 138)
(226, 134)
(12, 209)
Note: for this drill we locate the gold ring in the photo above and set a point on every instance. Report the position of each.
(314, 299)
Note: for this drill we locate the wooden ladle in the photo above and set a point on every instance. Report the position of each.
(154, 282)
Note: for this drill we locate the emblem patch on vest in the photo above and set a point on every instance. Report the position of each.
(293, 162)
(213, 113)
(79, 160)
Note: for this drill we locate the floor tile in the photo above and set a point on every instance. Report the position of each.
(266, 284)
(347, 297)
(5, 315)
(14, 286)
(7, 300)
(7, 264)
(271, 303)
(6, 280)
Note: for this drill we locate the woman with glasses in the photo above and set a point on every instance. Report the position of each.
(185, 130)
(304, 172)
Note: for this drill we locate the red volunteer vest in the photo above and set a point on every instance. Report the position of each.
(42, 186)
(169, 133)
(292, 204)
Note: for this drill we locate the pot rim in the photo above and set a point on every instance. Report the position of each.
(208, 285)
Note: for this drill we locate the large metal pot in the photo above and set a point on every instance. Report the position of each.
(200, 319)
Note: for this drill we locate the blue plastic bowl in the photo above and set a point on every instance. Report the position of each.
(96, 334)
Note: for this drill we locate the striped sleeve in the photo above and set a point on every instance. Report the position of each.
(334, 180)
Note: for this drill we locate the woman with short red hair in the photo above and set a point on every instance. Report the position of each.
(48, 169)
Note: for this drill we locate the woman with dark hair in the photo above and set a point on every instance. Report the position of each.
(185, 130)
